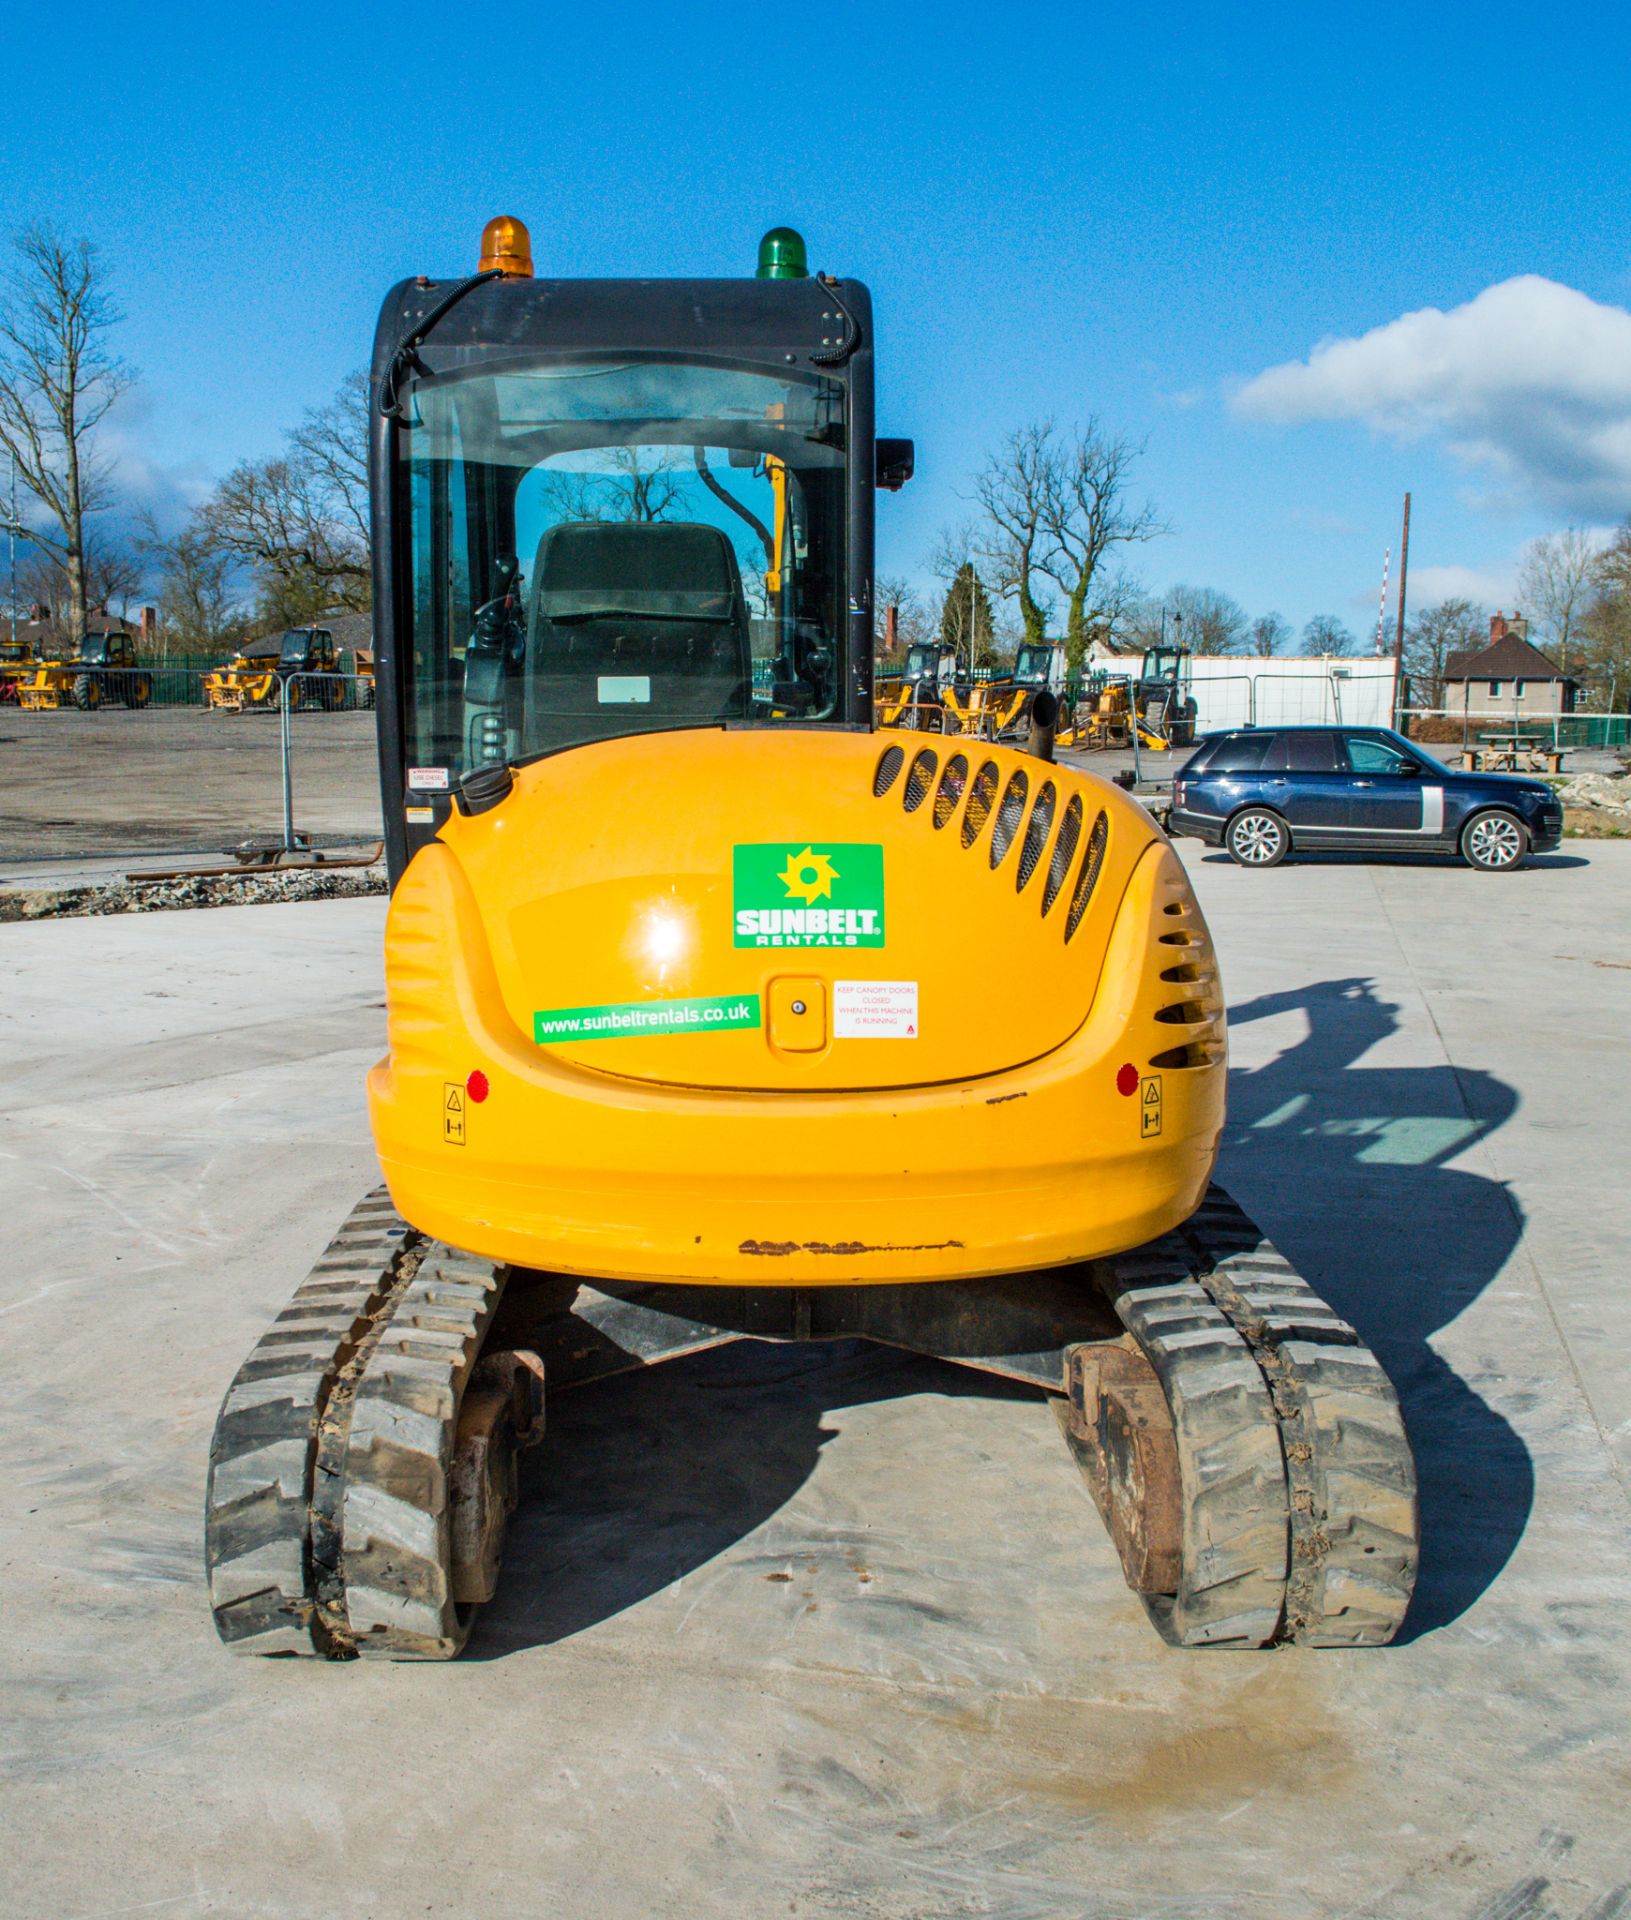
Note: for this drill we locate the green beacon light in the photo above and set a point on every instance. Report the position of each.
(781, 256)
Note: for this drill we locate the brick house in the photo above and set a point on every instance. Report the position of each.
(1507, 680)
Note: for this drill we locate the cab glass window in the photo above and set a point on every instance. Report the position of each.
(616, 547)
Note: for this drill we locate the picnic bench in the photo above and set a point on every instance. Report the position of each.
(1512, 752)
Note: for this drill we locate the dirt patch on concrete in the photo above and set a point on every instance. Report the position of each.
(169, 896)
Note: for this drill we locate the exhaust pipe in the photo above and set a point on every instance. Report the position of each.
(1044, 724)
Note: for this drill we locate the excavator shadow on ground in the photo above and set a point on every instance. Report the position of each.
(651, 1475)
(1358, 1173)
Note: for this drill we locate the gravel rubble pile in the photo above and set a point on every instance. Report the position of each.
(169, 896)
(1596, 805)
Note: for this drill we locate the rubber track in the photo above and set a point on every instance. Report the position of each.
(327, 1523)
(1235, 1547)
(1350, 1475)
(1298, 1485)
(258, 1505)
(398, 1427)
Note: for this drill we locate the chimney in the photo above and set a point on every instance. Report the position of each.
(891, 626)
(150, 621)
(1497, 627)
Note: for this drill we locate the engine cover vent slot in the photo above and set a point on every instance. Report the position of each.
(949, 794)
(919, 780)
(1064, 851)
(890, 762)
(981, 796)
(1037, 829)
(1088, 878)
(1009, 815)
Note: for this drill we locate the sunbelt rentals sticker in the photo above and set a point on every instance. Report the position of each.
(808, 894)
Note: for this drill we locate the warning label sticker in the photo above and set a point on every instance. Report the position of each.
(420, 816)
(427, 780)
(453, 1099)
(874, 1009)
(1149, 1106)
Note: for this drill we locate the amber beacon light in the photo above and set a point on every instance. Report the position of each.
(506, 247)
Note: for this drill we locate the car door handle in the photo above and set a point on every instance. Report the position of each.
(1275, 780)
(1364, 783)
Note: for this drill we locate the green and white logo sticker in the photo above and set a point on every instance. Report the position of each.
(630, 1019)
(788, 894)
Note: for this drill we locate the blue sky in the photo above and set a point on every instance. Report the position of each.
(1060, 210)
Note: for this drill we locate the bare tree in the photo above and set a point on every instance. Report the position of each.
(1325, 633)
(1434, 633)
(275, 517)
(1605, 623)
(1019, 490)
(57, 383)
(299, 523)
(1087, 519)
(1211, 621)
(198, 610)
(332, 444)
(1556, 581)
(1269, 634)
(626, 486)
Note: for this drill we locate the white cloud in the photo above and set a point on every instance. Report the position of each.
(1483, 586)
(1530, 381)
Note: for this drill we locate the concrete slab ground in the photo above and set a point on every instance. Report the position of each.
(179, 778)
(835, 1632)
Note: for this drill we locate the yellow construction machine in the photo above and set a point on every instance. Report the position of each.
(102, 670)
(919, 701)
(17, 664)
(679, 970)
(300, 658)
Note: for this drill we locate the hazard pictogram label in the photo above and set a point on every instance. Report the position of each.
(453, 1099)
(1149, 1105)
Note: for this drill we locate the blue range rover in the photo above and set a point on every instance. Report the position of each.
(1265, 792)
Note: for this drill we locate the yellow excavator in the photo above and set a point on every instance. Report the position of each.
(678, 969)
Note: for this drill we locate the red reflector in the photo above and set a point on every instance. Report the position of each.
(1126, 1079)
(476, 1086)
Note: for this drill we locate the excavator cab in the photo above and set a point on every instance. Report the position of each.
(608, 510)
(688, 972)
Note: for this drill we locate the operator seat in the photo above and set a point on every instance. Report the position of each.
(632, 623)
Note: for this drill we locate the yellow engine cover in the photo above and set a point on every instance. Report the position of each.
(794, 1008)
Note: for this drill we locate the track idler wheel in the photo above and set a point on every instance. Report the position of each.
(1117, 1425)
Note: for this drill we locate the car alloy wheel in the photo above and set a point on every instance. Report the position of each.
(1494, 841)
(1257, 839)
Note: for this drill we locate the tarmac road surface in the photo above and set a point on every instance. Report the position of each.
(835, 1632)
